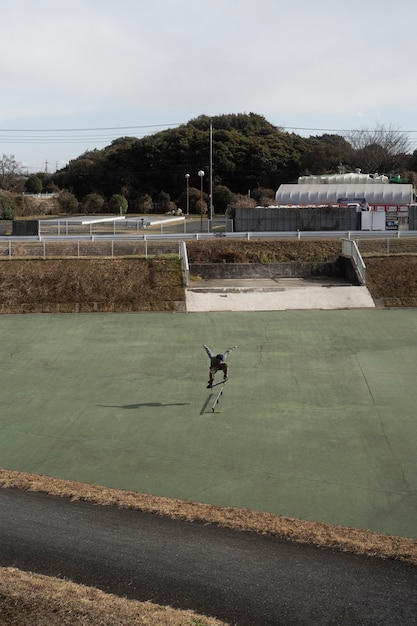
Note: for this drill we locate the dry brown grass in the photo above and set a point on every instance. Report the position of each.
(85, 285)
(33, 600)
(237, 251)
(392, 281)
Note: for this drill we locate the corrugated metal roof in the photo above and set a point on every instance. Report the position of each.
(351, 178)
(332, 194)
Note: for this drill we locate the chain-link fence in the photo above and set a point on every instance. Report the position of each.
(387, 246)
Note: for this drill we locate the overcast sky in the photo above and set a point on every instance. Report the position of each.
(76, 75)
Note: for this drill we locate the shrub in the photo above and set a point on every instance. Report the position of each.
(7, 206)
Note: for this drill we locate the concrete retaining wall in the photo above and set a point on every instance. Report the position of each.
(262, 219)
(340, 268)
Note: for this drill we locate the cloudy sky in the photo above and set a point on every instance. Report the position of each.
(76, 75)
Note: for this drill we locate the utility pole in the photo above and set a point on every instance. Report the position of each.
(211, 173)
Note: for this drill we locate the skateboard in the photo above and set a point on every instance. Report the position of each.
(222, 383)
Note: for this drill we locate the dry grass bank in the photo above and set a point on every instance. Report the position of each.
(392, 281)
(34, 600)
(273, 251)
(90, 285)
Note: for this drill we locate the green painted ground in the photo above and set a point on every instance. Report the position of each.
(317, 421)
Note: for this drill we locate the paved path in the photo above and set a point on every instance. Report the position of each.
(242, 578)
(275, 295)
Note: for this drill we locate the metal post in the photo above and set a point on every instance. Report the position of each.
(201, 175)
(187, 191)
(210, 216)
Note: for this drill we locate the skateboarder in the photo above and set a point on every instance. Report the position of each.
(218, 362)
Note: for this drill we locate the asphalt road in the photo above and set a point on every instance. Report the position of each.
(242, 578)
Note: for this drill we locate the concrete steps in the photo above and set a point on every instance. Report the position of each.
(276, 295)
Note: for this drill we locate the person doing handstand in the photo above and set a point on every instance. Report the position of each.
(218, 362)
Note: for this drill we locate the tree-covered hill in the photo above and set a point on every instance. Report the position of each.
(249, 155)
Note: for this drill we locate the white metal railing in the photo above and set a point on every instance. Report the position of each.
(250, 235)
(153, 244)
(184, 257)
(350, 249)
(130, 226)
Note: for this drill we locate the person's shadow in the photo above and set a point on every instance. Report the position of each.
(143, 404)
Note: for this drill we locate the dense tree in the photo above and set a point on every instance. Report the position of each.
(47, 183)
(118, 204)
(67, 202)
(143, 204)
(164, 203)
(325, 153)
(92, 203)
(33, 185)
(263, 196)
(222, 197)
(79, 177)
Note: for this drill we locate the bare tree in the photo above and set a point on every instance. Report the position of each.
(383, 149)
(11, 173)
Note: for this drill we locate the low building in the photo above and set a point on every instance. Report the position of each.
(338, 202)
(367, 192)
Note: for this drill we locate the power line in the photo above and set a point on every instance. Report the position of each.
(107, 134)
(38, 136)
(172, 124)
(347, 130)
(78, 130)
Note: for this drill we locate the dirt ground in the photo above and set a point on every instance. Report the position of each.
(68, 285)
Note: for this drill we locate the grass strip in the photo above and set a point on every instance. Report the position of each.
(28, 599)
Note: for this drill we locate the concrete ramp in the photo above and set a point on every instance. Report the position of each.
(275, 295)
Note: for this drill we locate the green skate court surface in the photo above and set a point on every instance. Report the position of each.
(317, 421)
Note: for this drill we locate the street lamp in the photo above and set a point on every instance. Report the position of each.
(201, 174)
(187, 178)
